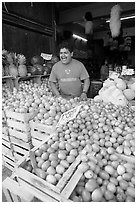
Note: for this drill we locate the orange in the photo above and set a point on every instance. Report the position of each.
(60, 169)
(45, 165)
(51, 179)
(97, 195)
(111, 187)
(51, 170)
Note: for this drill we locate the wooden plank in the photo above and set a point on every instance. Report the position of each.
(9, 166)
(38, 135)
(37, 193)
(6, 143)
(25, 136)
(19, 142)
(130, 159)
(16, 190)
(5, 137)
(8, 162)
(14, 197)
(5, 130)
(17, 156)
(66, 192)
(42, 128)
(7, 151)
(36, 142)
(24, 117)
(68, 173)
(37, 181)
(20, 150)
(18, 125)
(7, 194)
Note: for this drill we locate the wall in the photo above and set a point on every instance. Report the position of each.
(28, 28)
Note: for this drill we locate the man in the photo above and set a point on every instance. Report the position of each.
(69, 74)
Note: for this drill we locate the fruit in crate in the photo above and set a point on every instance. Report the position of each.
(117, 90)
(39, 68)
(5, 63)
(22, 69)
(54, 59)
(102, 130)
(129, 94)
(37, 60)
(12, 60)
(32, 70)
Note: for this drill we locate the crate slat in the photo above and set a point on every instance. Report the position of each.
(20, 142)
(38, 135)
(68, 173)
(42, 128)
(5, 137)
(25, 136)
(8, 162)
(20, 150)
(37, 181)
(7, 151)
(38, 193)
(6, 143)
(24, 117)
(130, 159)
(18, 125)
(5, 130)
(66, 192)
(35, 142)
(13, 191)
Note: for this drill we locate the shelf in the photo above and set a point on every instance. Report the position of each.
(13, 81)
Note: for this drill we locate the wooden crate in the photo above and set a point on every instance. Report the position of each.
(39, 132)
(62, 190)
(3, 117)
(14, 192)
(19, 132)
(129, 159)
(8, 161)
(7, 150)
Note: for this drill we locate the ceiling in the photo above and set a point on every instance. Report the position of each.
(63, 6)
(99, 20)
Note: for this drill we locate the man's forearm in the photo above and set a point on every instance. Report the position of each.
(54, 89)
(86, 85)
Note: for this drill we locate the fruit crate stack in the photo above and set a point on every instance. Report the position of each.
(14, 192)
(19, 132)
(39, 132)
(49, 189)
(7, 149)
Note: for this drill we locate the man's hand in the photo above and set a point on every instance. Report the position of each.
(83, 96)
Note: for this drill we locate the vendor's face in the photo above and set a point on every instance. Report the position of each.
(65, 56)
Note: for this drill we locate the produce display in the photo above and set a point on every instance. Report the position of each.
(117, 90)
(13, 64)
(101, 133)
(104, 131)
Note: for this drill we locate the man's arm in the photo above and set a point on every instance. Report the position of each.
(85, 88)
(54, 89)
(86, 85)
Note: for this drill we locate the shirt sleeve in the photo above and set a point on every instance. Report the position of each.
(84, 74)
(53, 75)
(88, 27)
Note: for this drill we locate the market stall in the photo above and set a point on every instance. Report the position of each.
(59, 149)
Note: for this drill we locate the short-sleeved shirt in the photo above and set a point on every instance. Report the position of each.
(69, 77)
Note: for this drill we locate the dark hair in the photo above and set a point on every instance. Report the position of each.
(88, 16)
(66, 45)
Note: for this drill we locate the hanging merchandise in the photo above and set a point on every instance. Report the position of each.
(127, 43)
(115, 23)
